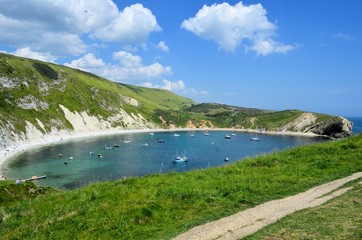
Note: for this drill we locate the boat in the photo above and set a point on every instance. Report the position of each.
(181, 158)
(115, 145)
(151, 133)
(254, 139)
(70, 158)
(160, 140)
(107, 148)
(176, 135)
(233, 134)
(207, 133)
(227, 137)
(91, 154)
(226, 159)
(127, 141)
(34, 178)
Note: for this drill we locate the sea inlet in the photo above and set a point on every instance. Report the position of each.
(75, 163)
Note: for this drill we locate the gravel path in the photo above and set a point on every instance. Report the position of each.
(251, 220)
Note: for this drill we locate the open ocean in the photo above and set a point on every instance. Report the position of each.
(357, 124)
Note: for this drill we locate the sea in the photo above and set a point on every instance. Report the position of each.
(357, 124)
(76, 163)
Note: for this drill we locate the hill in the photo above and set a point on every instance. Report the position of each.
(162, 206)
(38, 98)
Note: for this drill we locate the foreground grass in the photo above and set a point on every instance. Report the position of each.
(162, 206)
(340, 218)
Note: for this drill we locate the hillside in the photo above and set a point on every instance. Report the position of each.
(38, 98)
(162, 206)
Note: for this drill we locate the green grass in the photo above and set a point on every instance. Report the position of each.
(340, 218)
(76, 90)
(81, 91)
(163, 206)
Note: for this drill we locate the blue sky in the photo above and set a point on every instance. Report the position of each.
(275, 55)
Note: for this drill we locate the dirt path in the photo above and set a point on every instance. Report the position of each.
(251, 220)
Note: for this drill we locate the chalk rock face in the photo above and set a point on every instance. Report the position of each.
(337, 127)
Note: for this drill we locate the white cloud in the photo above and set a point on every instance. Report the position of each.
(229, 26)
(130, 68)
(176, 86)
(61, 27)
(128, 59)
(344, 36)
(162, 46)
(133, 25)
(27, 53)
(172, 86)
(88, 63)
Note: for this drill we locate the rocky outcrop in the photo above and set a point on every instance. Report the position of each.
(302, 122)
(337, 127)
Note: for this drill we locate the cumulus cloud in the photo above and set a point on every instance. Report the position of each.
(60, 27)
(176, 86)
(171, 86)
(162, 46)
(167, 85)
(129, 68)
(229, 26)
(132, 25)
(27, 53)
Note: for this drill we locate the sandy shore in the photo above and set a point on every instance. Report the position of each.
(50, 139)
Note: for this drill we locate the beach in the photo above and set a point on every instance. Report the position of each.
(59, 137)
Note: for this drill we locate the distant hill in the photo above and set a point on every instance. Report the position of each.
(38, 98)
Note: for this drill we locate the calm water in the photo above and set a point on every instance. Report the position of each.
(139, 154)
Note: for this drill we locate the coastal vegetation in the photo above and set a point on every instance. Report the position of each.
(163, 206)
(38, 98)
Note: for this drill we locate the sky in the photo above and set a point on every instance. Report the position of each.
(274, 55)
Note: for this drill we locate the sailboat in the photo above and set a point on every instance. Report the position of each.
(256, 137)
(181, 158)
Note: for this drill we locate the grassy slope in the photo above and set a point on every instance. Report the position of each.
(77, 90)
(82, 91)
(340, 218)
(162, 206)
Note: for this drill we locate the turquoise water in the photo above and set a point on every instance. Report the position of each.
(139, 154)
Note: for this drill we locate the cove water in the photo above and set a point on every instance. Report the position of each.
(139, 154)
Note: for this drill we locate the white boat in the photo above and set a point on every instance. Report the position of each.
(233, 134)
(254, 139)
(151, 133)
(181, 158)
(227, 137)
(207, 133)
(176, 135)
(127, 141)
(107, 148)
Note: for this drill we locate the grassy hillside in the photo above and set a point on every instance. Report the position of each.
(33, 91)
(162, 206)
(31, 88)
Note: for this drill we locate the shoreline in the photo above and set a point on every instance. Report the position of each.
(50, 139)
